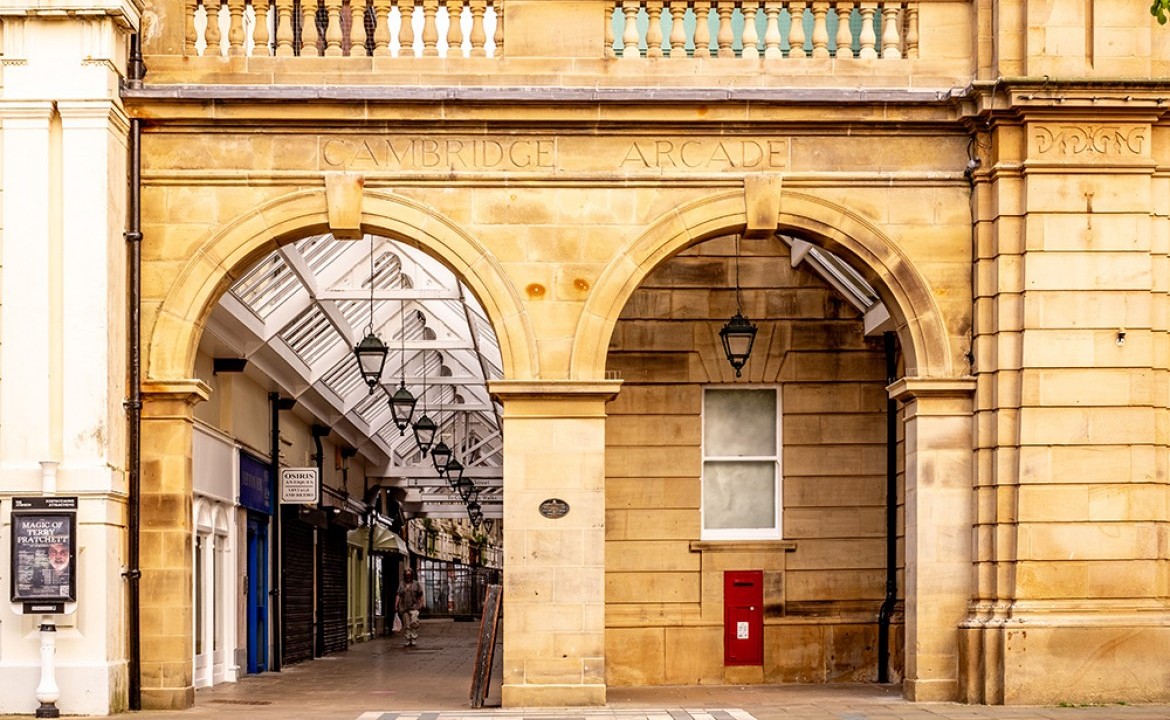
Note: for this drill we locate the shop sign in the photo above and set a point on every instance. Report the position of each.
(255, 485)
(298, 486)
(44, 551)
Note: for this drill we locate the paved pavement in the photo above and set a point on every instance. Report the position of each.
(381, 680)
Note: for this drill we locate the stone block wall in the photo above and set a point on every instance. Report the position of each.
(825, 581)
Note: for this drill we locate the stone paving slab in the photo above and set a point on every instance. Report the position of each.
(382, 680)
(604, 713)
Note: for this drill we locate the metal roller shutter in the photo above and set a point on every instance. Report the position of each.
(334, 590)
(297, 566)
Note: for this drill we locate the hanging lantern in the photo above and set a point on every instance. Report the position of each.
(454, 473)
(424, 433)
(402, 407)
(467, 490)
(371, 356)
(474, 513)
(738, 335)
(440, 456)
(371, 351)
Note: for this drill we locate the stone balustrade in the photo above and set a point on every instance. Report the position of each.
(564, 43)
(343, 28)
(769, 29)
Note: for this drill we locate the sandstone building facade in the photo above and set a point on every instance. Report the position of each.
(960, 206)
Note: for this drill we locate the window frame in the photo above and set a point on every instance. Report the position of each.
(776, 532)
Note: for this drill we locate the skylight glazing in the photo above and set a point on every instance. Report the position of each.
(312, 298)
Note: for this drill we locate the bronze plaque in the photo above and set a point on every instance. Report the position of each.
(554, 508)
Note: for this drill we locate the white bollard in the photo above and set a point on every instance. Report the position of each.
(47, 691)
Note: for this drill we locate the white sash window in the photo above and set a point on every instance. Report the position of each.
(741, 463)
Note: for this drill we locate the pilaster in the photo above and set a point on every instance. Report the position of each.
(939, 435)
(165, 537)
(554, 567)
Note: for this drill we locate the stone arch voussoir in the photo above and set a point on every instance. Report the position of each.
(207, 273)
(919, 321)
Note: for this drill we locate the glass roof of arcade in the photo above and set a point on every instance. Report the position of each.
(297, 314)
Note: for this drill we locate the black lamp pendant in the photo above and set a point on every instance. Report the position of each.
(474, 514)
(440, 456)
(738, 335)
(402, 407)
(371, 355)
(371, 351)
(468, 490)
(454, 473)
(424, 433)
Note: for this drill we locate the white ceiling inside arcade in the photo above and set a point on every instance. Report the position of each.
(296, 316)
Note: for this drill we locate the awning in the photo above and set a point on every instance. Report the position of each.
(384, 540)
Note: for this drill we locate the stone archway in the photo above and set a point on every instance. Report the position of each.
(208, 270)
(184, 284)
(938, 417)
(921, 328)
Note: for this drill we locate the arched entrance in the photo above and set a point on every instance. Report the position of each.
(676, 263)
(175, 570)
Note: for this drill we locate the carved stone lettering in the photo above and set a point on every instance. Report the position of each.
(421, 153)
(1088, 140)
(696, 154)
(428, 153)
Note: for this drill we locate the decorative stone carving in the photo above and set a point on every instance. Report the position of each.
(1084, 141)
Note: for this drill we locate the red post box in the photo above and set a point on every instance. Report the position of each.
(743, 617)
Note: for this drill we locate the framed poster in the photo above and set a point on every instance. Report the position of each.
(44, 549)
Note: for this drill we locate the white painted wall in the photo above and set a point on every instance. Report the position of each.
(215, 478)
(62, 332)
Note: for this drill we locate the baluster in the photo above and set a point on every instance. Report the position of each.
(724, 38)
(261, 30)
(751, 36)
(868, 37)
(820, 36)
(369, 21)
(310, 36)
(630, 33)
(430, 33)
(891, 38)
(214, 44)
(702, 29)
(191, 43)
(610, 51)
(844, 33)
(381, 27)
(678, 34)
(498, 35)
(796, 31)
(350, 18)
(406, 28)
(235, 27)
(332, 28)
(654, 29)
(478, 36)
(284, 28)
(772, 30)
(912, 30)
(454, 28)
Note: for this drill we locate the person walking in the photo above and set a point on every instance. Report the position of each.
(408, 604)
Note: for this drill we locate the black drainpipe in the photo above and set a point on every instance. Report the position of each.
(277, 597)
(133, 235)
(318, 432)
(887, 609)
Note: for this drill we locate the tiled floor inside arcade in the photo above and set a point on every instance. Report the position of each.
(382, 680)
